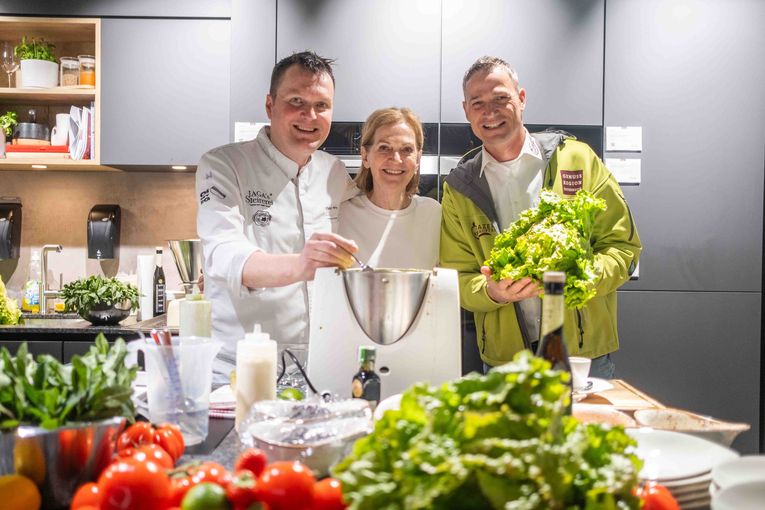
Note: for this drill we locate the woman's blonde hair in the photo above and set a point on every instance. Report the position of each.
(387, 117)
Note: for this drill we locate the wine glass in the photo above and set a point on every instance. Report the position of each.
(8, 59)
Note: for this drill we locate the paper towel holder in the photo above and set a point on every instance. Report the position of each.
(10, 227)
(104, 231)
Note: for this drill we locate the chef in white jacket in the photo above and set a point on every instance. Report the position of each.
(267, 210)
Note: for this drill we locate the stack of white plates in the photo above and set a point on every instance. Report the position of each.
(681, 463)
(739, 484)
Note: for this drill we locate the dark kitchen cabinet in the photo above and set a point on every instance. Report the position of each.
(144, 8)
(165, 90)
(555, 45)
(35, 347)
(387, 52)
(695, 350)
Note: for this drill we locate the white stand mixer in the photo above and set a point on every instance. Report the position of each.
(412, 318)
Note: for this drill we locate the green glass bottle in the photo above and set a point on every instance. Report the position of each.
(366, 382)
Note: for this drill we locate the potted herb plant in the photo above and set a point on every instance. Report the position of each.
(100, 300)
(38, 64)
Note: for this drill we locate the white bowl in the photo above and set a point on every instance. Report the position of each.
(745, 496)
(750, 468)
(390, 403)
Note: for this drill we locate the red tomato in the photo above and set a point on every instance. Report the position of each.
(130, 484)
(184, 477)
(86, 495)
(169, 437)
(328, 495)
(286, 485)
(141, 432)
(148, 452)
(253, 460)
(656, 497)
(241, 490)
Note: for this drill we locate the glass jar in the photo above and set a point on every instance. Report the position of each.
(87, 70)
(69, 72)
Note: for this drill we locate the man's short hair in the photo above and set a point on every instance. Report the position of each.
(307, 60)
(487, 64)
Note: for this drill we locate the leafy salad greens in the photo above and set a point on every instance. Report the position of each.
(554, 236)
(47, 393)
(9, 309)
(501, 440)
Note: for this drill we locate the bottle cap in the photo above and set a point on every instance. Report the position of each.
(554, 277)
(367, 353)
(257, 335)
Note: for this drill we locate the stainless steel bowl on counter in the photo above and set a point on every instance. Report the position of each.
(59, 460)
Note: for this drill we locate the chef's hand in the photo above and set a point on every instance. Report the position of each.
(507, 290)
(325, 250)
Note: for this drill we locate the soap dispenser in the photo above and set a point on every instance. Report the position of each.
(104, 232)
(10, 228)
(255, 372)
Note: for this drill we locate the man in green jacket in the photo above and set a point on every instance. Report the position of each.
(488, 191)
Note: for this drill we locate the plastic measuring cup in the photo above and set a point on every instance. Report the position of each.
(189, 362)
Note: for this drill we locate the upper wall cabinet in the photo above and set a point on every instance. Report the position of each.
(165, 85)
(135, 8)
(387, 52)
(555, 45)
(688, 74)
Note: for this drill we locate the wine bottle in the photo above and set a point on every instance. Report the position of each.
(159, 284)
(552, 345)
(366, 382)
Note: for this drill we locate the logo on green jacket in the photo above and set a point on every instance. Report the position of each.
(484, 229)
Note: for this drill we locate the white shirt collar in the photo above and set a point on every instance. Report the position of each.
(530, 148)
(285, 164)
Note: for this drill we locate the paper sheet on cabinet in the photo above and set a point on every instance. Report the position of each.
(80, 127)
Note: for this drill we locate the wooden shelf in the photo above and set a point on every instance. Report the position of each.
(59, 95)
(53, 164)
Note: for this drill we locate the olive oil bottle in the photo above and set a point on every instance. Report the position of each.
(159, 284)
(366, 382)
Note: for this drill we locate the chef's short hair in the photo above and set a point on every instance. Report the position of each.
(307, 60)
(388, 117)
(487, 64)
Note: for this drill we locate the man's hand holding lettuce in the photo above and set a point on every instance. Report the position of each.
(554, 236)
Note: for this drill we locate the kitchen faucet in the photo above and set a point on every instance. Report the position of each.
(44, 292)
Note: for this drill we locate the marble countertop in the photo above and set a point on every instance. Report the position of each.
(72, 324)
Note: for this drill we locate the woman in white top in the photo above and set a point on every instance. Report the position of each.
(393, 227)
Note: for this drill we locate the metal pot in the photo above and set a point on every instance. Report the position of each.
(104, 314)
(386, 302)
(62, 459)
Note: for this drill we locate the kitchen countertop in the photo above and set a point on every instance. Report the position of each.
(72, 324)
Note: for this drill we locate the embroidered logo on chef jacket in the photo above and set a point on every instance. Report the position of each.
(333, 212)
(262, 218)
(204, 196)
(259, 198)
(484, 229)
(571, 180)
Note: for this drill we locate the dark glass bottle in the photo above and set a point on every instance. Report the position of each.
(159, 284)
(552, 345)
(366, 383)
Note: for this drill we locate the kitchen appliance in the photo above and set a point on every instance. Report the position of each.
(104, 232)
(31, 133)
(10, 228)
(411, 317)
(187, 254)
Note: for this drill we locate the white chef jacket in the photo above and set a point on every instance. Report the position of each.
(515, 187)
(413, 238)
(253, 198)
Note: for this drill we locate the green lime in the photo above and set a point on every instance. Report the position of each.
(291, 394)
(205, 496)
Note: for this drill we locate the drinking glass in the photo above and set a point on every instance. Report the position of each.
(8, 59)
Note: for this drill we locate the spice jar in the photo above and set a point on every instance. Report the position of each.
(70, 72)
(87, 70)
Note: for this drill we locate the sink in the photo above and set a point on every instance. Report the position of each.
(50, 320)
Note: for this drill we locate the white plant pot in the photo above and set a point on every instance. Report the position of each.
(39, 74)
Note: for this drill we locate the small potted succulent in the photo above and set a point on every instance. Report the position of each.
(38, 63)
(100, 300)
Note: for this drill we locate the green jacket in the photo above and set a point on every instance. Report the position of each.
(469, 226)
